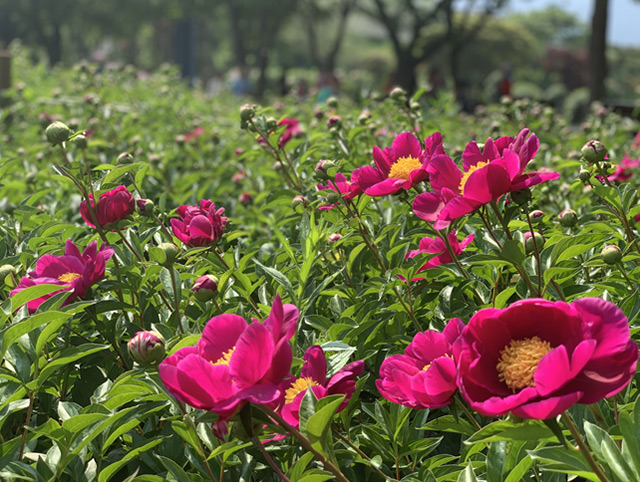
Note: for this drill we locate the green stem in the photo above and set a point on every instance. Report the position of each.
(582, 447)
(624, 274)
(269, 460)
(226, 265)
(335, 470)
(360, 453)
(174, 283)
(536, 251)
(199, 448)
(467, 413)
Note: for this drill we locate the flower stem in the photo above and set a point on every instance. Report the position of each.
(337, 433)
(466, 411)
(582, 447)
(226, 265)
(176, 311)
(624, 274)
(335, 470)
(536, 251)
(199, 448)
(270, 460)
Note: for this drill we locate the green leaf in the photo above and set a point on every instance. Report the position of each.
(506, 430)
(17, 330)
(66, 358)
(467, 475)
(82, 421)
(111, 470)
(512, 252)
(496, 458)
(318, 429)
(32, 293)
(560, 459)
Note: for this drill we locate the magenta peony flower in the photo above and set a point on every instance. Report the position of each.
(438, 246)
(401, 166)
(199, 226)
(292, 129)
(233, 362)
(536, 358)
(488, 174)
(198, 131)
(425, 376)
(74, 271)
(625, 169)
(348, 189)
(113, 206)
(314, 375)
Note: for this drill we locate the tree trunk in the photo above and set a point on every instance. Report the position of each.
(239, 48)
(54, 46)
(597, 49)
(406, 73)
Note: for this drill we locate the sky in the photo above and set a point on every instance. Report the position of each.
(623, 25)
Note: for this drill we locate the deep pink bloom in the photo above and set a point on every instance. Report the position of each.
(438, 246)
(625, 169)
(314, 375)
(193, 134)
(199, 226)
(425, 376)
(347, 189)
(74, 271)
(536, 358)
(233, 362)
(113, 206)
(636, 141)
(292, 129)
(489, 173)
(401, 166)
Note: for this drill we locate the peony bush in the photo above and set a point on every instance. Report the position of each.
(305, 292)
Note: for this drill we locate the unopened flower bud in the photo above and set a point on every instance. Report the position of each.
(205, 287)
(145, 206)
(521, 197)
(164, 254)
(568, 218)
(584, 175)
(333, 197)
(57, 133)
(80, 141)
(298, 201)
(334, 131)
(611, 254)
(322, 168)
(245, 198)
(332, 102)
(334, 237)
(536, 216)
(398, 94)
(124, 158)
(593, 151)
(272, 123)
(5, 271)
(238, 176)
(147, 348)
(334, 121)
(247, 112)
(415, 106)
(179, 139)
(530, 245)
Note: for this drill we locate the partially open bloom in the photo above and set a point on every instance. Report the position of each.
(425, 376)
(625, 169)
(74, 271)
(146, 348)
(536, 358)
(112, 206)
(314, 375)
(233, 362)
(489, 173)
(438, 246)
(199, 226)
(347, 189)
(292, 129)
(401, 166)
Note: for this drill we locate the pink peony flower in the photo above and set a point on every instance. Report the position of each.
(292, 129)
(625, 169)
(348, 189)
(233, 362)
(425, 376)
(112, 206)
(438, 246)
(193, 134)
(199, 226)
(536, 358)
(74, 271)
(488, 174)
(401, 166)
(314, 375)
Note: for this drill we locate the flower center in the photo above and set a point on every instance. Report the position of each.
(69, 277)
(403, 167)
(519, 361)
(466, 175)
(426, 367)
(225, 358)
(296, 387)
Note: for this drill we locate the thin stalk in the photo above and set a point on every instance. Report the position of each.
(226, 265)
(454, 257)
(176, 310)
(199, 448)
(335, 470)
(536, 251)
(582, 447)
(26, 425)
(130, 246)
(624, 274)
(494, 206)
(466, 411)
(269, 460)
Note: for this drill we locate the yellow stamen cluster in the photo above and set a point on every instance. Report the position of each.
(403, 167)
(296, 387)
(466, 175)
(69, 277)
(426, 367)
(519, 361)
(225, 358)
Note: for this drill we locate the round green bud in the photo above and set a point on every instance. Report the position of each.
(332, 102)
(147, 348)
(57, 133)
(415, 107)
(611, 254)
(5, 271)
(80, 141)
(521, 197)
(247, 112)
(205, 287)
(124, 158)
(593, 151)
(536, 216)
(568, 218)
(530, 244)
(170, 251)
(584, 175)
(298, 201)
(398, 94)
(272, 123)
